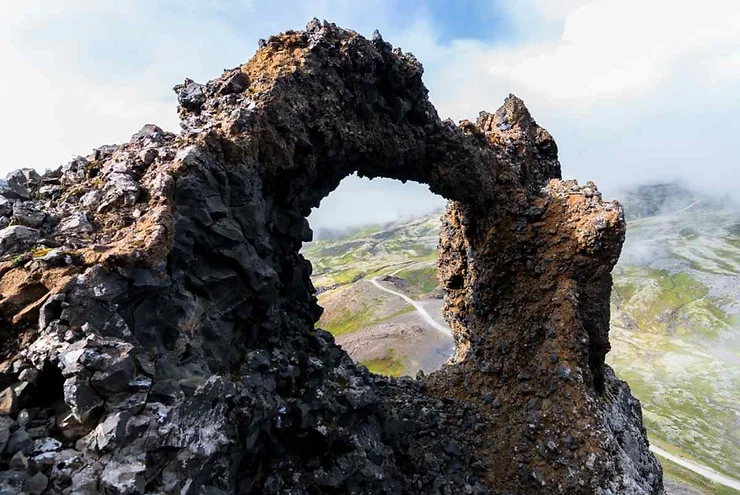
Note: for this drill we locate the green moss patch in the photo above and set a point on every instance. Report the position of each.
(388, 365)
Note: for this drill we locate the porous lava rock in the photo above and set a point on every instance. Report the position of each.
(157, 320)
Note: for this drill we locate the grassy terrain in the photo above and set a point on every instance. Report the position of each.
(388, 365)
(351, 321)
(689, 396)
(372, 251)
(658, 301)
(424, 278)
(675, 334)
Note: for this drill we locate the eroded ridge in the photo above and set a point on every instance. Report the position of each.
(158, 320)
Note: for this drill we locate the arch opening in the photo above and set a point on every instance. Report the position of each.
(374, 259)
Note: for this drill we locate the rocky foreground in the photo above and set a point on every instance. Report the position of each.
(157, 320)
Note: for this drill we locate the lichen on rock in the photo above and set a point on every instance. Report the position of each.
(161, 339)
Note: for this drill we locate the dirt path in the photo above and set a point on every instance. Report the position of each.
(419, 308)
(698, 469)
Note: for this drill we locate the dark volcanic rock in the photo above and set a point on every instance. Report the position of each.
(169, 318)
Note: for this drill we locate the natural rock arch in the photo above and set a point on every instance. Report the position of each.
(183, 319)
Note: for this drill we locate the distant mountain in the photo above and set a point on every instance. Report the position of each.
(675, 314)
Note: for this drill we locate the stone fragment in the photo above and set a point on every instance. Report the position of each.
(52, 191)
(91, 198)
(6, 206)
(17, 237)
(111, 430)
(190, 95)
(30, 375)
(13, 190)
(25, 177)
(50, 310)
(114, 378)
(74, 172)
(85, 482)
(37, 432)
(8, 401)
(148, 155)
(103, 285)
(147, 131)
(76, 224)
(124, 477)
(46, 444)
(37, 484)
(19, 441)
(81, 398)
(120, 189)
(19, 462)
(236, 83)
(70, 427)
(5, 425)
(26, 213)
(23, 418)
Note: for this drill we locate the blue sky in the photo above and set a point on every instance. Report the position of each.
(632, 90)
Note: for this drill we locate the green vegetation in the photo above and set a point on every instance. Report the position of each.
(660, 302)
(688, 393)
(40, 252)
(348, 276)
(388, 365)
(371, 251)
(349, 321)
(424, 278)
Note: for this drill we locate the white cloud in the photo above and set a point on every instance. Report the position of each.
(49, 120)
(632, 90)
(82, 73)
(613, 48)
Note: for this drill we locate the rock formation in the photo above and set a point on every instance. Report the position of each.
(157, 320)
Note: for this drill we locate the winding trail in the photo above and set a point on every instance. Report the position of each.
(698, 469)
(419, 308)
(691, 466)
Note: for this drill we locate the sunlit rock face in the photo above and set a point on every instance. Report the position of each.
(157, 330)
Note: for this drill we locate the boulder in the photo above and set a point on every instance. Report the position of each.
(6, 206)
(8, 401)
(37, 484)
(17, 237)
(24, 177)
(28, 214)
(13, 190)
(75, 224)
(148, 131)
(190, 95)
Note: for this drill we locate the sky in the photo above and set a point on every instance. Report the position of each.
(632, 90)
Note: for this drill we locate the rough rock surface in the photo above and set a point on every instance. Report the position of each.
(157, 321)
